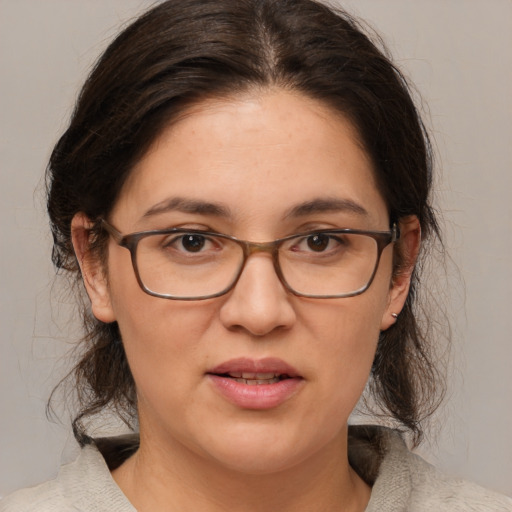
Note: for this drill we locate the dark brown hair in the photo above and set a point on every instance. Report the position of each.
(178, 54)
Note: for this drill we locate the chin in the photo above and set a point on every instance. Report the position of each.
(259, 450)
(257, 460)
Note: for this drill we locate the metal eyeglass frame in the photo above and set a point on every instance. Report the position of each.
(130, 241)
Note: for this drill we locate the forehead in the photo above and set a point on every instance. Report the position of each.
(256, 155)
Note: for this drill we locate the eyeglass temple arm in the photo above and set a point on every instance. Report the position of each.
(395, 232)
(111, 230)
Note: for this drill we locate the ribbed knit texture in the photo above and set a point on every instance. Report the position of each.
(85, 485)
(402, 482)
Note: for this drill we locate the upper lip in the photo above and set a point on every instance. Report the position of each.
(248, 365)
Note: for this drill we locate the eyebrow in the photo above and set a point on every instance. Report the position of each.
(321, 205)
(318, 205)
(188, 206)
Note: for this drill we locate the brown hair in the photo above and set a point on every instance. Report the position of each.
(179, 53)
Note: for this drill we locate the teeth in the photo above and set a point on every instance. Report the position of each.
(253, 376)
(258, 376)
(255, 382)
(254, 379)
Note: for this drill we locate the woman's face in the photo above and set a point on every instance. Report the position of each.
(257, 167)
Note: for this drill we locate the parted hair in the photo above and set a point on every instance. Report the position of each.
(180, 53)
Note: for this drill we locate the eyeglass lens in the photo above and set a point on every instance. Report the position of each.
(184, 265)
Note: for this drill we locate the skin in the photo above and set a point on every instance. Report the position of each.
(258, 155)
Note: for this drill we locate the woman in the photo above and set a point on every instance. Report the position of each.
(243, 189)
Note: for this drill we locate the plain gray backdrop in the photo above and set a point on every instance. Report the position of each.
(457, 52)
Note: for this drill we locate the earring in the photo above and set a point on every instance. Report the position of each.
(394, 315)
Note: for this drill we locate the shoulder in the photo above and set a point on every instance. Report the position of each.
(85, 485)
(43, 498)
(431, 488)
(403, 481)
(46, 497)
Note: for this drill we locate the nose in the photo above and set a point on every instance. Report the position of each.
(259, 303)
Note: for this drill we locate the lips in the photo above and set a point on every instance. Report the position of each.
(255, 384)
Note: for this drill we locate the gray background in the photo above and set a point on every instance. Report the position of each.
(458, 52)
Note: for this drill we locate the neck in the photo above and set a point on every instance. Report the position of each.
(169, 476)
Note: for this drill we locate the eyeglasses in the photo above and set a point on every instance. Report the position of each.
(185, 264)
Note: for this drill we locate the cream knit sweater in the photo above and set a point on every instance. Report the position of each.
(401, 481)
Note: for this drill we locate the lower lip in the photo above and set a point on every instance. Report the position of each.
(257, 396)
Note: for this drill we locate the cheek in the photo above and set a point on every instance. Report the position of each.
(151, 325)
(164, 345)
(349, 327)
(338, 356)
(162, 338)
(157, 332)
(344, 340)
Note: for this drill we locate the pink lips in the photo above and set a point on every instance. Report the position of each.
(255, 384)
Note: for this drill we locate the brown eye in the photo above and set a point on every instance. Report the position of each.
(193, 242)
(318, 242)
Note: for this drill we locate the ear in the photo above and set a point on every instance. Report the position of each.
(93, 271)
(409, 247)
